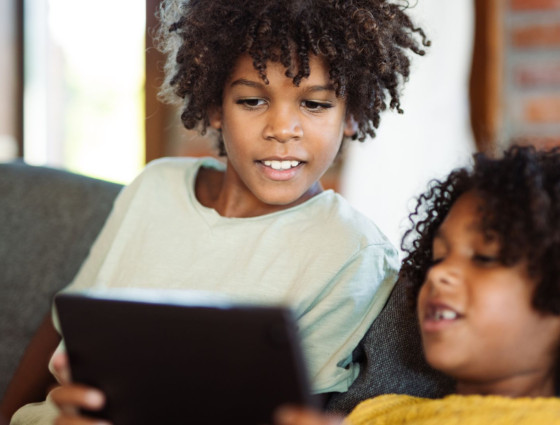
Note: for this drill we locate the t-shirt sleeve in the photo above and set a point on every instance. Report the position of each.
(342, 313)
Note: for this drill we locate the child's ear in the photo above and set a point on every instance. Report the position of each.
(215, 117)
(350, 126)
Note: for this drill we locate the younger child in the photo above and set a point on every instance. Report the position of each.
(485, 272)
(282, 82)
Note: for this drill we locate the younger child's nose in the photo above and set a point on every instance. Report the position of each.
(445, 272)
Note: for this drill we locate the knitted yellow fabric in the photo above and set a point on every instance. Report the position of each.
(395, 409)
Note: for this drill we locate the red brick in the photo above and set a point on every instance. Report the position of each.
(537, 36)
(542, 110)
(534, 4)
(537, 75)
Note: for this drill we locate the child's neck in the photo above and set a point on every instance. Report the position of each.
(529, 385)
(211, 191)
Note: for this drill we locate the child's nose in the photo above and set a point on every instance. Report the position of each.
(283, 124)
(445, 273)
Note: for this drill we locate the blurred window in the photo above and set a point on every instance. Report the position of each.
(84, 86)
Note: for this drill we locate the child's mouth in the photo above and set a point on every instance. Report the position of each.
(281, 165)
(443, 315)
(437, 317)
(280, 170)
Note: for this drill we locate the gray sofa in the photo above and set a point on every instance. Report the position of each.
(49, 219)
(391, 359)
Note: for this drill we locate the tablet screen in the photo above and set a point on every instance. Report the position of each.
(199, 361)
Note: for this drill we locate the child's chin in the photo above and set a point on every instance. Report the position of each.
(442, 362)
(286, 200)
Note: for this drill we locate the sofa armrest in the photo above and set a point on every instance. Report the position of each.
(48, 220)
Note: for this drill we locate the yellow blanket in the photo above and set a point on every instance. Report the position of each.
(395, 409)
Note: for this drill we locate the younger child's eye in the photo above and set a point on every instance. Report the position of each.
(316, 106)
(251, 102)
(435, 261)
(484, 259)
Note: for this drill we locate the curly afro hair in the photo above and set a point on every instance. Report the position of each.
(520, 195)
(364, 43)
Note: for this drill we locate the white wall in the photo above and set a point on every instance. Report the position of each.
(433, 136)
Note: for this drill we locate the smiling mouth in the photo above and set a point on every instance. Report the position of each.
(281, 165)
(439, 313)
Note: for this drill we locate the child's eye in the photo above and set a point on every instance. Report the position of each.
(251, 102)
(316, 106)
(435, 261)
(484, 259)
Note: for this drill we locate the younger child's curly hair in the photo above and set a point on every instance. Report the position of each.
(364, 43)
(520, 195)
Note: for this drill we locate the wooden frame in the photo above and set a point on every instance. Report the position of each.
(18, 4)
(12, 69)
(157, 114)
(486, 80)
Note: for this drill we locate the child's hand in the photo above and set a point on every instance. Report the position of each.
(304, 416)
(70, 397)
(59, 366)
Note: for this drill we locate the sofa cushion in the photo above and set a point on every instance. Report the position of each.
(48, 221)
(391, 359)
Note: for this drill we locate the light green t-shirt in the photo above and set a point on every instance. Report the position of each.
(322, 258)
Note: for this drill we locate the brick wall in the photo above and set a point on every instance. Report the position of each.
(531, 95)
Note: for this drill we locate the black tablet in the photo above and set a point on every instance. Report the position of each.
(188, 358)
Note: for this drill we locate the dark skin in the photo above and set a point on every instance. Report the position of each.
(32, 379)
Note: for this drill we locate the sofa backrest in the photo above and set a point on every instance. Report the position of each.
(48, 220)
(391, 358)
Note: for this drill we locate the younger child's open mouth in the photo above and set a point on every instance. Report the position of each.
(438, 316)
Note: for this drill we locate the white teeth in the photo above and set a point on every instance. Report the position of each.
(281, 165)
(445, 315)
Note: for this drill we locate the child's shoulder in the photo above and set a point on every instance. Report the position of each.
(167, 168)
(473, 409)
(182, 163)
(346, 222)
(169, 173)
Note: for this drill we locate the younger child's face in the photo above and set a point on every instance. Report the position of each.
(280, 139)
(476, 317)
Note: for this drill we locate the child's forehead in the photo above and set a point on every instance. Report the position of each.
(244, 66)
(466, 209)
(466, 216)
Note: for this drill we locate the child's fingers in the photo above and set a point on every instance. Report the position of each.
(299, 416)
(61, 366)
(69, 398)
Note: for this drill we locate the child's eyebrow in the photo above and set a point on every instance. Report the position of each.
(313, 89)
(258, 85)
(248, 83)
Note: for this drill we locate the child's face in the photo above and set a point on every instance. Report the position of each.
(279, 138)
(476, 317)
